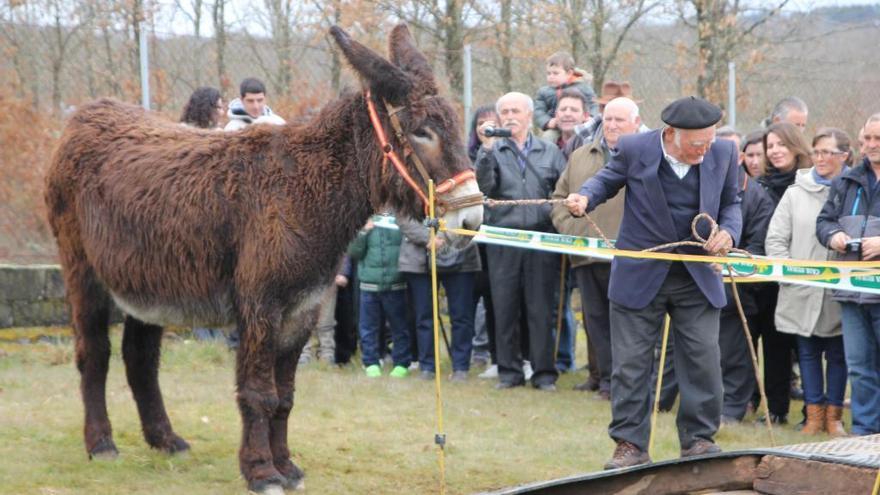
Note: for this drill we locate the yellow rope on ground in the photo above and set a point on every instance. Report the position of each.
(659, 383)
(439, 437)
(876, 490)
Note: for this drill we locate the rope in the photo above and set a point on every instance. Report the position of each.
(732, 273)
(439, 437)
(660, 370)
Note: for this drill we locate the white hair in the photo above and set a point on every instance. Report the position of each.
(515, 94)
(627, 104)
(873, 118)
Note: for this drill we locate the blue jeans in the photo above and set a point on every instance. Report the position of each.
(810, 350)
(861, 340)
(460, 296)
(391, 304)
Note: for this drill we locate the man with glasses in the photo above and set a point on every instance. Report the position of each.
(671, 175)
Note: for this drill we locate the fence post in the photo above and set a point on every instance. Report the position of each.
(145, 67)
(731, 94)
(467, 98)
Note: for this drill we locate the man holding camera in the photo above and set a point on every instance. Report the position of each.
(521, 166)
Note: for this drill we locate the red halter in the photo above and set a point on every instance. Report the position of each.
(391, 155)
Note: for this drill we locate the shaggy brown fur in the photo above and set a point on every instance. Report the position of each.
(207, 228)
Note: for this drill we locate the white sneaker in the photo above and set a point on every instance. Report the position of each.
(527, 370)
(491, 372)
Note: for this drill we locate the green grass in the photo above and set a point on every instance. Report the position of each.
(349, 433)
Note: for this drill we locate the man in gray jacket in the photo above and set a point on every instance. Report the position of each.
(521, 167)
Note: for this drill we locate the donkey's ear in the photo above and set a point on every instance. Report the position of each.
(405, 55)
(384, 78)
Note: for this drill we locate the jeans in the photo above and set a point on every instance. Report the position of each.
(861, 341)
(810, 350)
(391, 303)
(459, 288)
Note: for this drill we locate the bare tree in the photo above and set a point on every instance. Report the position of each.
(67, 18)
(598, 28)
(218, 20)
(723, 29)
(194, 10)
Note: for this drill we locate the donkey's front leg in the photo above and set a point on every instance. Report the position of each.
(257, 402)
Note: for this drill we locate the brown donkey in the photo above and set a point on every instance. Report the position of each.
(188, 227)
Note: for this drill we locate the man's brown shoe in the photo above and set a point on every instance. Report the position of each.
(700, 447)
(627, 455)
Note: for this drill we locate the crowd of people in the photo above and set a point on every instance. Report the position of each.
(773, 191)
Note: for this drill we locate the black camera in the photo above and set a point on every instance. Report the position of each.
(854, 246)
(497, 132)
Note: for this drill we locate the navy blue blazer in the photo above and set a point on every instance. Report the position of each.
(647, 221)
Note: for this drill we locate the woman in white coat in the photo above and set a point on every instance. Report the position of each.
(809, 312)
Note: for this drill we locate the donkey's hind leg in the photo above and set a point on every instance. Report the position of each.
(140, 350)
(90, 311)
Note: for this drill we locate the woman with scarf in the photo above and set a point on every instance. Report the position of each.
(786, 151)
(810, 313)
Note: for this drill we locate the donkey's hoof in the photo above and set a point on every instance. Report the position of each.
(104, 450)
(294, 477)
(272, 489)
(294, 482)
(177, 445)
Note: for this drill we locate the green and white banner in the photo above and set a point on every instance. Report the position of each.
(858, 276)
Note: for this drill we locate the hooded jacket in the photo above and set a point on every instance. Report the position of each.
(802, 310)
(239, 118)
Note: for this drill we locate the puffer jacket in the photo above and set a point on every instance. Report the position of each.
(414, 254)
(500, 176)
(548, 97)
(802, 310)
(853, 206)
(376, 252)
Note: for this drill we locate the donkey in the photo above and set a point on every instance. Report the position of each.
(188, 227)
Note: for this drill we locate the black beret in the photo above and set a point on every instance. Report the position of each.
(691, 112)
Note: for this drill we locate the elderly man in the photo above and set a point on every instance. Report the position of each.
(791, 109)
(621, 118)
(670, 177)
(521, 167)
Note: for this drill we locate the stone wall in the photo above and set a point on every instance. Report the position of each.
(33, 296)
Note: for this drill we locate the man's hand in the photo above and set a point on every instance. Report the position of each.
(438, 243)
(870, 247)
(552, 123)
(487, 142)
(720, 243)
(838, 242)
(369, 225)
(577, 204)
(341, 280)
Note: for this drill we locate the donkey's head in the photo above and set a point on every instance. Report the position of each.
(404, 94)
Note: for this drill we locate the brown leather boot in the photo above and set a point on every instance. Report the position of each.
(815, 419)
(626, 455)
(833, 422)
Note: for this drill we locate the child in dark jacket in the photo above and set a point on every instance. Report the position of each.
(383, 292)
(561, 75)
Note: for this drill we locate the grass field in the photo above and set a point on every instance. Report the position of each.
(349, 433)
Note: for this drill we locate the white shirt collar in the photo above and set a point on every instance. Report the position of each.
(681, 169)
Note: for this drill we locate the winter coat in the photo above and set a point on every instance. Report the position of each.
(757, 209)
(802, 310)
(414, 254)
(548, 97)
(376, 252)
(239, 119)
(853, 206)
(500, 176)
(586, 162)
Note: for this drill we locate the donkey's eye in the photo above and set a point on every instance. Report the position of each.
(422, 132)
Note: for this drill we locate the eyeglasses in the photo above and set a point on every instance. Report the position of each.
(825, 153)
